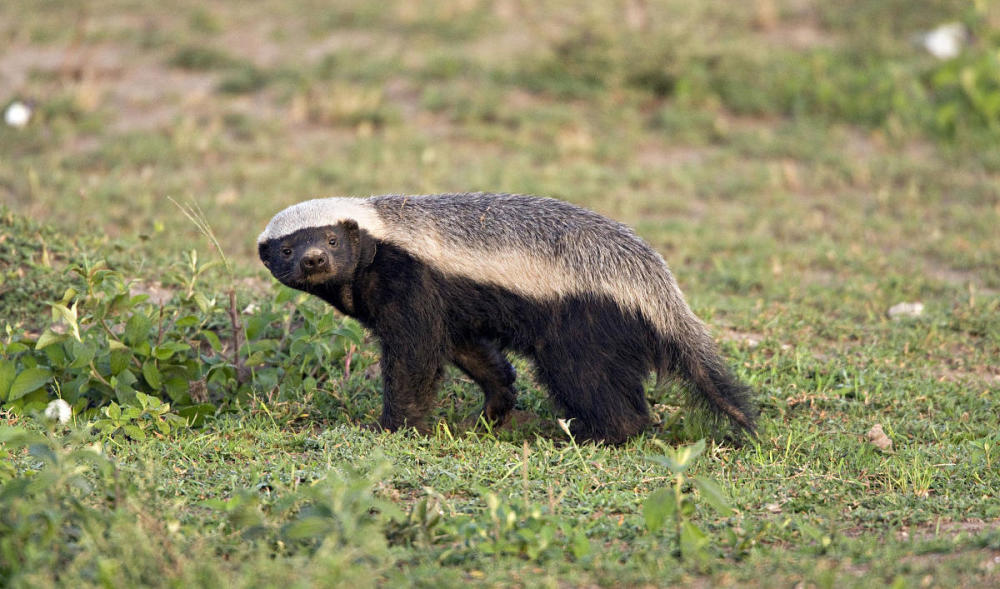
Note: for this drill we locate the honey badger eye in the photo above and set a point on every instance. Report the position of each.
(333, 241)
(286, 251)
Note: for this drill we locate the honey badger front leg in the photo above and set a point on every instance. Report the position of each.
(413, 359)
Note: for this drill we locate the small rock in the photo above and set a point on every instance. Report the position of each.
(906, 310)
(17, 114)
(876, 436)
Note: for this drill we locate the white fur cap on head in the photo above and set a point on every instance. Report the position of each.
(322, 212)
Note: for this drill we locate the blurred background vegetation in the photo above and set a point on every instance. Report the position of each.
(652, 111)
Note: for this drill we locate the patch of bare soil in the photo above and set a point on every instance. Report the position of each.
(790, 25)
(137, 92)
(158, 294)
(656, 155)
(257, 287)
(932, 530)
(966, 278)
(17, 62)
(748, 339)
(799, 35)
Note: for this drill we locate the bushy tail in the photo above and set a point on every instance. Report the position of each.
(694, 356)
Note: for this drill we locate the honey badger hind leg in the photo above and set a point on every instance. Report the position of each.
(485, 363)
(601, 394)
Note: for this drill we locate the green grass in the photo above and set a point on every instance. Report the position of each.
(801, 166)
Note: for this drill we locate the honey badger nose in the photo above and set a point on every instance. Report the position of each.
(314, 260)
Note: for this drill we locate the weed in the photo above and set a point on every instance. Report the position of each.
(675, 506)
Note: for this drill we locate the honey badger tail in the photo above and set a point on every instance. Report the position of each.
(712, 384)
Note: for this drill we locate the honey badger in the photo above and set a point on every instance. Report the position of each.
(462, 278)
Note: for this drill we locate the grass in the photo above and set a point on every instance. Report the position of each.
(790, 160)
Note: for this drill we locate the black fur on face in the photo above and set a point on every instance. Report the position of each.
(315, 256)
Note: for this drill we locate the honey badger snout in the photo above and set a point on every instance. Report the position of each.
(314, 260)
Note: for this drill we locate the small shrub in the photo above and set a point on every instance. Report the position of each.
(675, 505)
(141, 367)
(48, 511)
(966, 90)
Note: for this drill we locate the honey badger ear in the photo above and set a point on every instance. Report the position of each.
(362, 241)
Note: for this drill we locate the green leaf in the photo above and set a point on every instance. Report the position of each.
(16, 348)
(142, 349)
(152, 375)
(213, 339)
(255, 325)
(83, 354)
(68, 314)
(196, 414)
(29, 380)
(7, 371)
(351, 333)
(713, 495)
(119, 360)
(48, 338)
(177, 389)
(16, 437)
(307, 527)
(136, 328)
(149, 402)
(43, 452)
(666, 461)
(580, 546)
(187, 321)
(685, 455)
(126, 378)
(285, 294)
(114, 411)
(134, 432)
(204, 304)
(166, 350)
(659, 507)
(693, 540)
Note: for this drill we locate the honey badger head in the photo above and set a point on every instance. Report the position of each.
(325, 254)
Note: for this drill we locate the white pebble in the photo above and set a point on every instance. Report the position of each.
(906, 310)
(17, 114)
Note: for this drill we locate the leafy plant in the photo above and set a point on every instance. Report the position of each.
(966, 90)
(141, 366)
(338, 512)
(506, 527)
(47, 510)
(675, 505)
(151, 414)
